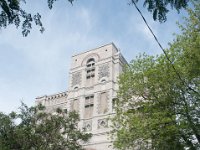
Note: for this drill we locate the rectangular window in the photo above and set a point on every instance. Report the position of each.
(114, 101)
(103, 103)
(89, 103)
(90, 74)
(75, 105)
(90, 80)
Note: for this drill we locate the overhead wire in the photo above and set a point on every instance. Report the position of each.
(165, 53)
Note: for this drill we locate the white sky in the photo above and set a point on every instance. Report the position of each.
(38, 64)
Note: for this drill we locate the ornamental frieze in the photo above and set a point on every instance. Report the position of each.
(76, 79)
(102, 123)
(104, 71)
(87, 125)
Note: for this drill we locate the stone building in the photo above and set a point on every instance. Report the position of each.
(92, 88)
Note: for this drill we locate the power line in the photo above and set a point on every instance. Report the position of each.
(165, 53)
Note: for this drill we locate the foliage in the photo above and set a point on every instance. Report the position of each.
(11, 12)
(32, 128)
(159, 8)
(158, 107)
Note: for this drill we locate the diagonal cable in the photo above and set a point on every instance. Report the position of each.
(165, 53)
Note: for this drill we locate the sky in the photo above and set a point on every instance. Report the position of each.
(38, 64)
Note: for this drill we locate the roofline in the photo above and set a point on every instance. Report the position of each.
(96, 48)
(39, 97)
(125, 61)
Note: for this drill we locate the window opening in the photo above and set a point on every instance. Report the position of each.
(75, 105)
(89, 104)
(90, 72)
(103, 103)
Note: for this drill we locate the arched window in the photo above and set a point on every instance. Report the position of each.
(76, 87)
(103, 80)
(90, 72)
(90, 62)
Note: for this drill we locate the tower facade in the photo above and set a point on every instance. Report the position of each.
(92, 89)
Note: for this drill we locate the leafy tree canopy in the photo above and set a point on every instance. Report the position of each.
(32, 128)
(11, 12)
(156, 109)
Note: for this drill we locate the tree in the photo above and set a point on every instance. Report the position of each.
(159, 8)
(159, 107)
(13, 13)
(33, 128)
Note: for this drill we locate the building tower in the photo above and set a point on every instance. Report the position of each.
(91, 92)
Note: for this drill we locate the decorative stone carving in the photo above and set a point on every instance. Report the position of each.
(76, 78)
(102, 123)
(104, 71)
(87, 125)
